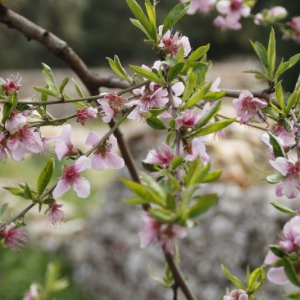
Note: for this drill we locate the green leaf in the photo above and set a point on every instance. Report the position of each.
(9, 106)
(161, 215)
(277, 250)
(232, 278)
(293, 99)
(212, 176)
(45, 176)
(279, 95)
(139, 14)
(211, 128)
(147, 74)
(50, 80)
(63, 85)
(256, 280)
(189, 85)
(175, 71)
(161, 281)
(138, 24)
(156, 111)
(284, 209)
(14, 191)
(27, 192)
(77, 88)
(290, 271)
(177, 161)
(204, 203)
(212, 96)
(262, 55)
(272, 54)
(155, 123)
(175, 15)
(197, 54)
(135, 201)
(152, 17)
(48, 201)
(275, 178)
(3, 208)
(283, 66)
(199, 95)
(277, 146)
(196, 172)
(44, 91)
(154, 187)
(210, 113)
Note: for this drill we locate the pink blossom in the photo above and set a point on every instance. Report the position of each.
(111, 105)
(64, 146)
(55, 214)
(154, 96)
(103, 157)
(163, 156)
(71, 177)
(237, 295)
(187, 119)
(15, 122)
(196, 149)
(234, 9)
(11, 84)
(170, 43)
(279, 130)
(164, 234)
(273, 14)
(24, 141)
(225, 23)
(13, 238)
(87, 113)
(291, 171)
(249, 108)
(295, 23)
(203, 6)
(33, 293)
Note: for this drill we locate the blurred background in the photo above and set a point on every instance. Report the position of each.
(96, 29)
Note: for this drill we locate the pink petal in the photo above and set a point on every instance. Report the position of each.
(277, 275)
(178, 88)
(82, 164)
(66, 134)
(113, 141)
(82, 187)
(280, 164)
(61, 149)
(271, 258)
(98, 162)
(92, 139)
(223, 7)
(61, 187)
(114, 161)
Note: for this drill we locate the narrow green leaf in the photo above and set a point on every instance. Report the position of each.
(63, 84)
(152, 17)
(3, 208)
(135, 201)
(186, 197)
(48, 201)
(45, 176)
(161, 215)
(44, 91)
(291, 101)
(212, 176)
(180, 54)
(172, 180)
(139, 14)
(204, 203)
(77, 88)
(210, 113)
(177, 162)
(277, 250)
(197, 54)
(277, 146)
(175, 71)
(256, 280)
(284, 208)
(156, 111)
(14, 191)
(154, 187)
(213, 96)
(279, 95)
(262, 55)
(155, 123)
(175, 15)
(9, 106)
(138, 24)
(50, 80)
(232, 278)
(290, 271)
(147, 74)
(189, 85)
(283, 66)
(211, 128)
(196, 172)
(272, 54)
(197, 96)
(121, 70)
(27, 192)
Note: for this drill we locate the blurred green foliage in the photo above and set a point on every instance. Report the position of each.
(20, 269)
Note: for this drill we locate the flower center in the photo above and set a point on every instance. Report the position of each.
(71, 174)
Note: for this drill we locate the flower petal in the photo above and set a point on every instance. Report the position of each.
(82, 187)
(61, 187)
